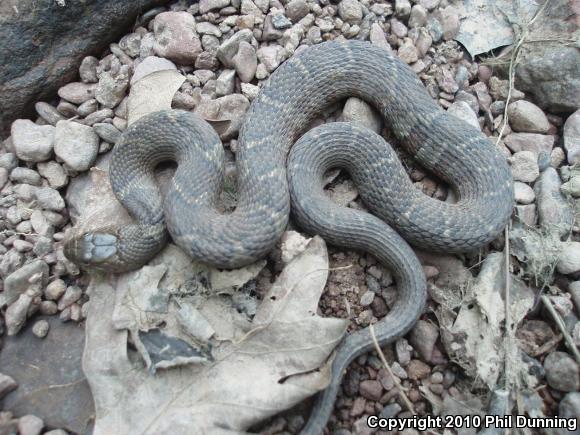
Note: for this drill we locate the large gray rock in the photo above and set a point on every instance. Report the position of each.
(42, 45)
(550, 71)
(51, 383)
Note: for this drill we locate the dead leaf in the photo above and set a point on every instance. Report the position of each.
(152, 93)
(270, 369)
(487, 24)
(474, 339)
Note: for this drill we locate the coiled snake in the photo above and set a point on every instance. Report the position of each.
(296, 93)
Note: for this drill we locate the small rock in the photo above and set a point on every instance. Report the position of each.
(32, 142)
(526, 117)
(390, 411)
(399, 29)
(403, 351)
(7, 384)
(40, 328)
(18, 281)
(49, 199)
(418, 16)
(367, 298)
(55, 290)
(88, 69)
(30, 425)
(417, 370)
(297, 9)
(207, 60)
(211, 5)
(569, 407)
(357, 110)
(77, 93)
(245, 61)
(8, 161)
(76, 144)
(228, 49)
(449, 22)
(54, 173)
(88, 107)
(553, 209)
(250, 91)
(175, 37)
(16, 313)
(561, 372)
(72, 294)
(572, 137)
(408, 52)
(358, 407)
(281, 21)
(48, 113)
(557, 157)
(25, 175)
(107, 132)
(423, 338)
(571, 187)
(533, 142)
(149, 65)
(111, 89)
(462, 110)
(402, 8)
(350, 11)
(225, 83)
(378, 38)
(270, 56)
(372, 390)
(569, 260)
(525, 166)
(523, 193)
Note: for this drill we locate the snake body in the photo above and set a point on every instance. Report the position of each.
(295, 95)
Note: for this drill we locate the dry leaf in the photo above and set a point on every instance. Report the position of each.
(152, 93)
(272, 368)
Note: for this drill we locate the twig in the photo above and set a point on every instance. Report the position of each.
(512, 64)
(561, 327)
(398, 385)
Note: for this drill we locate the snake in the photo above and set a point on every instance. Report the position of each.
(280, 169)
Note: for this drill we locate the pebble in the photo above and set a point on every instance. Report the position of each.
(359, 111)
(569, 259)
(7, 384)
(8, 161)
(527, 214)
(88, 69)
(107, 132)
(408, 52)
(55, 290)
(569, 406)
(372, 390)
(367, 298)
(111, 89)
(175, 37)
(403, 351)
(390, 411)
(297, 9)
(225, 82)
(76, 144)
(18, 281)
(40, 328)
(56, 432)
(48, 113)
(571, 187)
(449, 22)
(250, 91)
(378, 38)
(417, 370)
(533, 142)
(245, 62)
(30, 425)
(228, 49)
(561, 372)
(206, 28)
(49, 199)
(350, 11)
(149, 65)
(16, 313)
(25, 175)
(418, 16)
(525, 166)
(210, 5)
(98, 116)
(402, 8)
(523, 193)
(72, 294)
(88, 107)
(463, 111)
(526, 117)
(32, 142)
(554, 212)
(281, 21)
(54, 174)
(571, 133)
(3, 177)
(423, 337)
(77, 93)
(48, 308)
(557, 157)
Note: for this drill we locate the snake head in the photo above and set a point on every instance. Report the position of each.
(95, 250)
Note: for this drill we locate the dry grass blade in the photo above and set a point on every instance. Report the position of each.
(560, 324)
(398, 385)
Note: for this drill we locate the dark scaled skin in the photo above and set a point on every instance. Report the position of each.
(295, 95)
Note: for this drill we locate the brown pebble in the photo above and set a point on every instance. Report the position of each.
(358, 407)
(417, 369)
(371, 390)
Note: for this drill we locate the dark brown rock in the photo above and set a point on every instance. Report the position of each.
(42, 45)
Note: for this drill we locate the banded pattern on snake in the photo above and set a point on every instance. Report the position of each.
(296, 93)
